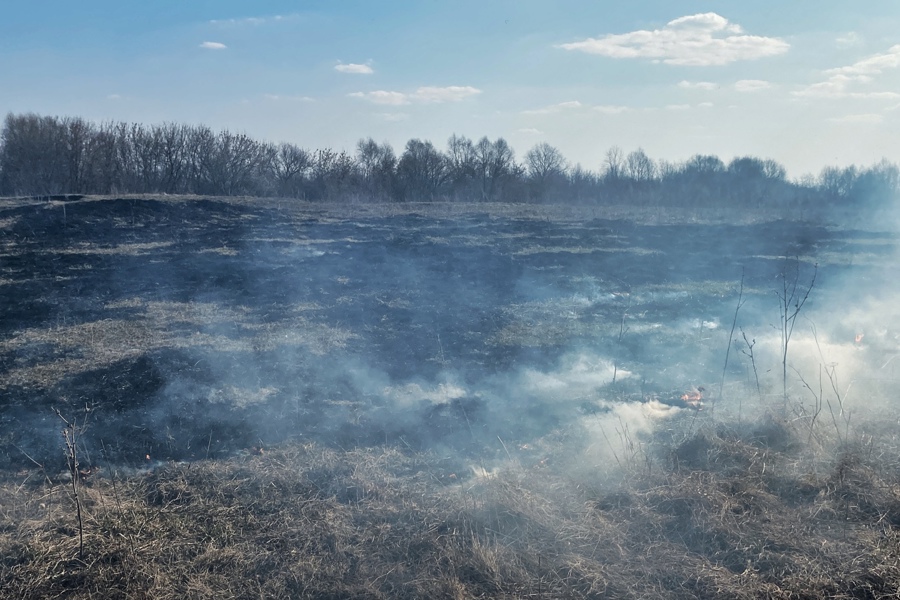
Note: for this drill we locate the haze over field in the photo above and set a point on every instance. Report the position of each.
(494, 299)
(807, 84)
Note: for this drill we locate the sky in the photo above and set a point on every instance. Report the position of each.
(809, 83)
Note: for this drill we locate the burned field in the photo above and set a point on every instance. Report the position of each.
(441, 401)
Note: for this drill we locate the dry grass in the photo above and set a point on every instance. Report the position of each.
(700, 509)
(723, 514)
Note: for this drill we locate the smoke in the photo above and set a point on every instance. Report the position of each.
(474, 337)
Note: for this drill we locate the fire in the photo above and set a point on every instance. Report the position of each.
(693, 398)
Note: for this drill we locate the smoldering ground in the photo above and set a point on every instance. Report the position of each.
(184, 330)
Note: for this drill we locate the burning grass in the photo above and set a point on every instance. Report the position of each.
(745, 512)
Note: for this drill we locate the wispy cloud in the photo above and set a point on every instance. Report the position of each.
(751, 85)
(383, 97)
(114, 97)
(354, 69)
(863, 119)
(251, 21)
(677, 107)
(696, 40)
(846, 82)
(575, 105)
(213, 45)
(452, 93)
(423, 95)
(530, 131)
(871, 65)
(697, 85)
(848, 40)
(393, 117)
(611, 109)
(705, 105)
(554, 108)
(280, 98)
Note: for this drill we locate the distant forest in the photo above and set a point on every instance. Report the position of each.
(42, 155)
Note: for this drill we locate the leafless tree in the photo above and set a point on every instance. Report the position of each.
(613, 164)
(546, 169)
(461, 166)
(422, 171)
(290, 165)
(639, 167)
(494, 164)
(377, 166)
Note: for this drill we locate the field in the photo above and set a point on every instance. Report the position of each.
(275, 399)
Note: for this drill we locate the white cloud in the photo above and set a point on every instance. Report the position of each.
(554, 108)
(863, 119)
(677, 106)
(114, 97)
(382, 97)
(872, 65)
(697, 85)
(844, 82)
(251, 21)
(452, 93)
(213, 45)
(278, 98)
(393, 117)
(244, 21)
(751, 85)
(423, 95)
(610, 109)
(354, 68)
(695, 40)
(848, 40)
(530, 131)
(706, 105)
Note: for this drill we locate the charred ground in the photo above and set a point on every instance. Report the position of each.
(176, 321)
(424, 374)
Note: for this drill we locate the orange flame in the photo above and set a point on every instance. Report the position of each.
(693, 398)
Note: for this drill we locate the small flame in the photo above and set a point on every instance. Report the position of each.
(693, 398)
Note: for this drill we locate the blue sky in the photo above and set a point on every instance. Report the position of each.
(809, 83)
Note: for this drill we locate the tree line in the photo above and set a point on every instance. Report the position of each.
(45, 155)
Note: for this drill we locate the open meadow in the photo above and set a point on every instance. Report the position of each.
(241, 398)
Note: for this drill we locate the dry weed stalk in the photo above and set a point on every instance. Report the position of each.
(791, 299)
(737, 308)
(70, 434)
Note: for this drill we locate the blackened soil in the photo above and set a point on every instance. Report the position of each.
(387, 300)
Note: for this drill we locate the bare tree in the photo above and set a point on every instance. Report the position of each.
(290, 165)
(613, 164)
(33, 155)
(172, 141)
(494, 164)
(330, 174)
(461, 167)
(422, 170)
(377, 165)
(546, 169)
(77, 135)
(639, 167)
